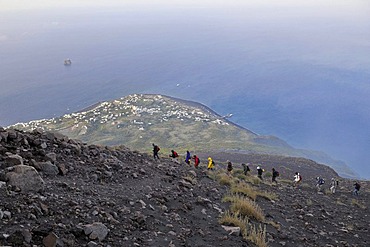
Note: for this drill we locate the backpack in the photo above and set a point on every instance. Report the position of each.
(213, 163)
(174, 154)
(277, 174)
(198, 160)
(300, 177)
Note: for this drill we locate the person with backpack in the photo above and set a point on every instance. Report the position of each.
(297, 179)
(357, 189)
(333, 185)
(187, 157)
(174, 154)
(319, 182)
(259, 172)
(211, 164)
(275, 174)
(246, 169)
(229, 167)
(196, 161)
(155, 151)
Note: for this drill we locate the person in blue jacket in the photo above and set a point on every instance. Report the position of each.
(188, 157)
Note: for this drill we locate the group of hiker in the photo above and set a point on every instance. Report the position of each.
(297, 178)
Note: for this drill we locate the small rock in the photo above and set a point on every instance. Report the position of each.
(232, 230)
(50, 240)
(51, 157)
(92, 244)
(172, 233)
(192, 173)
(43, 145)
(7, 214)
(62, 169)
(143, 204)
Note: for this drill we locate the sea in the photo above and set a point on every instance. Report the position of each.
(298, 70)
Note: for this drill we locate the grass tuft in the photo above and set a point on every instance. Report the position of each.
(244, 189)
(224, 179)
(267, 195)
(358, 204)
(257, 235)
(253, 180)
(245, 207)
(230, 219)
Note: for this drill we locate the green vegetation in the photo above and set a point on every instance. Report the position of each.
(136, 121)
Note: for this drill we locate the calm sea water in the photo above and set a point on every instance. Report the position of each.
(300, 73)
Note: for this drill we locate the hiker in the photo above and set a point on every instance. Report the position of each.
(275, 174)
(229, 167)
(245, 169)
(259, 172)
(357, 188)
(196, 161)
(174, 154)
(211, 164)
(333, 185)
(319, 182)
(188, 157)
(155, 151)
(297, 179)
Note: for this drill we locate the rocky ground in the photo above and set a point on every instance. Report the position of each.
(60, 192)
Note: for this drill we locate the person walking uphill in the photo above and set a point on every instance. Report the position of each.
(259, 172)
(275, 174)
(211, 164)
(196, 161)
(229, 167)
(319, 182)
(297, 179)
(333, 185)
(246, 169)
(173, 154)
(357, 188)
(155, 151)
(187, 157)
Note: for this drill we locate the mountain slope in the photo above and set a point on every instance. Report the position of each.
(139, 120)
(56, 191)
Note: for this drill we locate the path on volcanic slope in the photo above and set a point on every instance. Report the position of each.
(309, 218)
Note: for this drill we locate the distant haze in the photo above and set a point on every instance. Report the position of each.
(297, 70)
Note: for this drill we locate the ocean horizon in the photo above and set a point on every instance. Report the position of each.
(301, 74)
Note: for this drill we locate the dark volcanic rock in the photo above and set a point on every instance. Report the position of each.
(111, 196)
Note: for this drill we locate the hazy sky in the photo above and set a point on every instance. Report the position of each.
(39, 4)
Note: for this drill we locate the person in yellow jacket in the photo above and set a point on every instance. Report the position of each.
(211, 164)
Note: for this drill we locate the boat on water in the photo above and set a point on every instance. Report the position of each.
(67, 62)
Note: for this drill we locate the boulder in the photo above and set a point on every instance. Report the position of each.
(4, 136)
(12, 134)
(96, 230)
(48, 168)
(26, 178)
(13, 160)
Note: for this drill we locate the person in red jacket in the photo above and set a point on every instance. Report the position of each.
(173, 154)
(196, 161)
